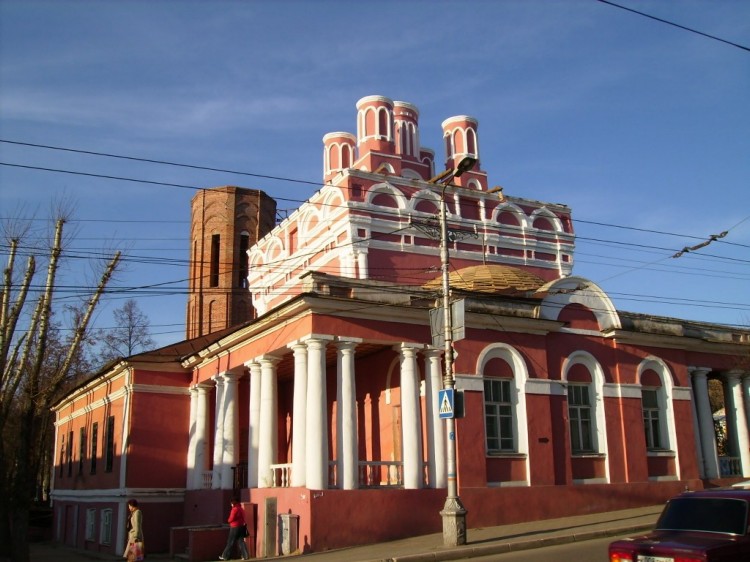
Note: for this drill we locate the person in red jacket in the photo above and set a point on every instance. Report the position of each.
(237, 530)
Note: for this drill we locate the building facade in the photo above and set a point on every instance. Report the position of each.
(324, 407)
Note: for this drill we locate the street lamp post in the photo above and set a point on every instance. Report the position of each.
(453, 512)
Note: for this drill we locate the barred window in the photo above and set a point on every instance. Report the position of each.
(498, 415)
(579, 414)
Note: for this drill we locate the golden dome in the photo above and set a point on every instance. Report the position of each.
(490, 279)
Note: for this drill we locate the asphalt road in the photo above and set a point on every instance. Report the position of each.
(594, 550)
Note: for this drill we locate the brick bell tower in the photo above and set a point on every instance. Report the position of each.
(225, 222)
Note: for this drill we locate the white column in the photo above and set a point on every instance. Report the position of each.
(218, 454)
(230, 429)
(201, 431)
(705, 422)
(299, 414)
(347, 453)
(191, 479)
(269, 421)
(253, 436)
(362, 263)
(410, 418)
(435, 431)
(316, 475)
(735, 410)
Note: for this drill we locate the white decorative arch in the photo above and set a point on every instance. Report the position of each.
(666, 402)
(309, 216)
(508, 207)
(411, 174)
(341, 148)
(333, 201)
(568, 290)
(423, 195)
(517, 364)
(376, 133)
(474, 184)
(543, 212)
(376, 189)
(450, 136)
(274, 250)
(599, 429)
(255, 257)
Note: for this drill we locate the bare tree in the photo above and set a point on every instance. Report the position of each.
(130, 334)
(36, 362)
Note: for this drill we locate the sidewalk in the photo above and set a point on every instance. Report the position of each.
(427, 548)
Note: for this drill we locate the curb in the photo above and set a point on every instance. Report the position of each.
(506, 547)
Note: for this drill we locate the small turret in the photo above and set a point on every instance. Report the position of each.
(339, 150)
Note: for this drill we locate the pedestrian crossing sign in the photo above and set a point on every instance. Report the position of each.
(445, 403)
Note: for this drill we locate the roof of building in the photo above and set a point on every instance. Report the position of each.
(490, 278)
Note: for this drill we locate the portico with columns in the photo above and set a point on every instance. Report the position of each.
(736, 394)
(320, 446)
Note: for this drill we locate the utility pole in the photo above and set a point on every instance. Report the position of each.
(453, 512)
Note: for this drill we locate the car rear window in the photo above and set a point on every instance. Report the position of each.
(714, 515)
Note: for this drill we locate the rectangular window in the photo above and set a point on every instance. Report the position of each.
(91, 524)
(215, 251)
(105, 532)
(81, 449)
(70, 453)
(62, 455)
(579, 413)
(650, 401)
(498, 415)
(109, 445)
(94, 438)
(243, 268)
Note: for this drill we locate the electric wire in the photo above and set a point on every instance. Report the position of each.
(182, 262)
(661, 20)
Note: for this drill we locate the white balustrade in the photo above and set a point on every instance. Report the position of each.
(281, 475)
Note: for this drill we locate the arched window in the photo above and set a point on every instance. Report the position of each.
(243, 260)
(383, 123)
(584, 378)
(471, 141)
(346, 156)
(504, 379)
(656, 404)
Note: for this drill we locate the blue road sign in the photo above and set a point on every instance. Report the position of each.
(445, 403)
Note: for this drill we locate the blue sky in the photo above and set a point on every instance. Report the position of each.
(642, 128)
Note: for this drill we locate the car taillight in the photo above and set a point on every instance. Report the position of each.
(619, 556)
(687, 559)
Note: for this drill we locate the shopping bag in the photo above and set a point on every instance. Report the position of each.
(135, 552)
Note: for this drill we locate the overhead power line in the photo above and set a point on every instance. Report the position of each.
(645, 15)
(154, 161)
(712, 238)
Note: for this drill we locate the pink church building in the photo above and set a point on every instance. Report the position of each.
(321, 410)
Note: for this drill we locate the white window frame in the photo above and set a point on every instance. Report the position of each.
(666, 405)
(584, 435)
(596, 399)
(105, 527)
(651, 414)
(496, 404)
(518, 400)
(91, 524)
